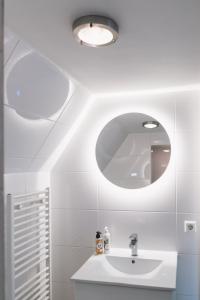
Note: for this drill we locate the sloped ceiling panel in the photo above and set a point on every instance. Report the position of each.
(40, 104)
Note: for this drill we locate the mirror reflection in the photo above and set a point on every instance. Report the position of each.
(133, 150)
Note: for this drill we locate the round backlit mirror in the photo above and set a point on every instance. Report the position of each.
(133, 150)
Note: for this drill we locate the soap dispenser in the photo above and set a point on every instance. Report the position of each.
(106, 238)
(99, 243)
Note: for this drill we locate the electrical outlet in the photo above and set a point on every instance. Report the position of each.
(190, 226)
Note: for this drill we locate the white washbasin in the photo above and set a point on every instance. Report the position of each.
(133, 265)
(153, 269)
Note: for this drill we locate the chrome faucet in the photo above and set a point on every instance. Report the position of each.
(133, 244)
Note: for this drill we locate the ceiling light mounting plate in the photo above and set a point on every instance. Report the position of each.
(95, 31)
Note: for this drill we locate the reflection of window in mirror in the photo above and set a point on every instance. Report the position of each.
(160, 156)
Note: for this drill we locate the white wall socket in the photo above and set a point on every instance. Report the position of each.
(190, 226)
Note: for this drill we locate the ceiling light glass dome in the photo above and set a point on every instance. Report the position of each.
(95, 31)
(150, 124)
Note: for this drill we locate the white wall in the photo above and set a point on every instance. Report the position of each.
(2, 259)
(21, 183)
(83, 200)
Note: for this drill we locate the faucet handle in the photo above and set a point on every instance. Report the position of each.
(133, 236)
(133, 239)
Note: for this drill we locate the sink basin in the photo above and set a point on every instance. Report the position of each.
(150, 269)
(133, 266)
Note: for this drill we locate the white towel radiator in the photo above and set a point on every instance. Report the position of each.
(28, 268)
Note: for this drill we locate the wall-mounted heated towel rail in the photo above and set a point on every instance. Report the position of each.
(28, 247)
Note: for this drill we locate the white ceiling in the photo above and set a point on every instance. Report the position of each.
(159, 44)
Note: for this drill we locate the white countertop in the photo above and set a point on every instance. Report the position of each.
(97, 269)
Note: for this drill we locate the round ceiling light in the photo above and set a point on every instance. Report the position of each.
(150, 124)
(95, 31)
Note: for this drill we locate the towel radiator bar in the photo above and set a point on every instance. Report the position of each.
(28, 264)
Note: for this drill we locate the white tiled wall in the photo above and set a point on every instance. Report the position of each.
(21, 183)
(84, 200)
(155, 230)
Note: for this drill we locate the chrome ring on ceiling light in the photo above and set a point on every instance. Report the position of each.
(98, 21)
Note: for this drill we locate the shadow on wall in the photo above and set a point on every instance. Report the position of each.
(39, 102)
(35, 87)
